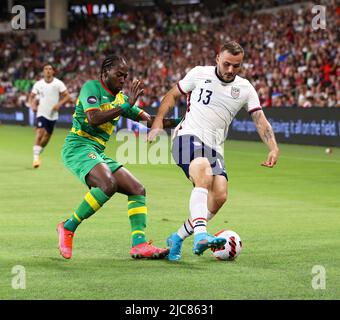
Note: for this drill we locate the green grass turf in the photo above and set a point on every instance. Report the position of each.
(287, 217)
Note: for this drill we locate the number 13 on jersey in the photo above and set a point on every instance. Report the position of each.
(205, 96)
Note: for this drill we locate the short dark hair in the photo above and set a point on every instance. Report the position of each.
(47, 64)
(111, 61)
(232, 47)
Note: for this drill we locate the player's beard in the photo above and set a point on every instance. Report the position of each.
(231, 76)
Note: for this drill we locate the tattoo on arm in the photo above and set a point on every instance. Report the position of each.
(268, 134)
(263, 127)
(256, 117)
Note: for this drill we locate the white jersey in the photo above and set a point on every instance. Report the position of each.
(213, 104)
(48, 95)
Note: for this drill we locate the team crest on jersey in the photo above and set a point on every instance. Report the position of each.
(92, 155)
(235, 92)
(92, 100)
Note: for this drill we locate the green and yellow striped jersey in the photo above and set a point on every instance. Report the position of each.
(95, 95)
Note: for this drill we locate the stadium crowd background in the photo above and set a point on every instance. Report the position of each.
(289, 63)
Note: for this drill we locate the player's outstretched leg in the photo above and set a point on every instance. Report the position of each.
(217, 196)
(137, 211)
(175, 240)
(202, 176)
(141, 248)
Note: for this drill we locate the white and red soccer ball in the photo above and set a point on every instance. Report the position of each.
(231, 249)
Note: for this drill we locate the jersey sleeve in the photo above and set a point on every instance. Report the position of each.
(89, 96)
(35, 89)
(132, 113)
(62, 87)
(253, 102)
(188, 83)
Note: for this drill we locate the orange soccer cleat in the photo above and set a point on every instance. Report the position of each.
(65, 241)
(148, 251)
(36, 163)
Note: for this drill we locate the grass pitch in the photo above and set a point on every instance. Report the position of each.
(287, 217)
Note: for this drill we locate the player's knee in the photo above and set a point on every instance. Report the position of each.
(109, 186)
(139, 190)
(201, 173)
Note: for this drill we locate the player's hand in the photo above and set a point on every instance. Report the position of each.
(145, 117)
(272, 158)
(134, 91)
(34, 108)
(156, 128)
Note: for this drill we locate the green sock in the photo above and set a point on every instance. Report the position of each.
(137, 211)
(92, 202)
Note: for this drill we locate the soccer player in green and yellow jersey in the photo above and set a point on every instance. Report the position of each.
(100, 105)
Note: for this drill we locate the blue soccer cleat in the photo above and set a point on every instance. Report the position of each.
(174, 242)
(203, 241)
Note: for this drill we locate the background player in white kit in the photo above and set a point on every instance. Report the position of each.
(215, 94)
(48, 90)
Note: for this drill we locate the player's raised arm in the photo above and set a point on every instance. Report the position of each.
(267, 135)
(97, 117)
(167, 104)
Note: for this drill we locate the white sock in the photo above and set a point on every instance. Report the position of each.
(199, 209)
(187, 229)
(36, 152)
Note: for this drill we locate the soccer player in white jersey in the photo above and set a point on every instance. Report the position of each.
(52, 94)
(215, 94)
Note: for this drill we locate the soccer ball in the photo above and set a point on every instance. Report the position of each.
(328, 150)
(231, 249)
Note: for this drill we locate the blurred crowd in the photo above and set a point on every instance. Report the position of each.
(289, 62)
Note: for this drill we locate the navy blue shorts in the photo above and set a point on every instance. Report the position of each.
(188, 147)
(48, 125)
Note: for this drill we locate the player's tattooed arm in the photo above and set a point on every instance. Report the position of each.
(263, 127)
(266, 133)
